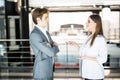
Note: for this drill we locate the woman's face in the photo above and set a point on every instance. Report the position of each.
(90, 25)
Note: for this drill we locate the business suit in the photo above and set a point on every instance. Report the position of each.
(43, 65)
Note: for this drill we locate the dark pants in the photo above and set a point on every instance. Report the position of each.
(94, 79)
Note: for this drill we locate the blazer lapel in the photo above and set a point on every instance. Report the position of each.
(50, 40)
(41, 33)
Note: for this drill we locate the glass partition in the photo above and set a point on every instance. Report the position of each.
(3, 59)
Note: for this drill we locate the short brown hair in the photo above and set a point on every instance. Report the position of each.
(38, 12)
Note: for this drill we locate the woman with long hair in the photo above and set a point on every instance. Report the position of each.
(93, 52)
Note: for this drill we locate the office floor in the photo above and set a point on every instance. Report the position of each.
(83, 79)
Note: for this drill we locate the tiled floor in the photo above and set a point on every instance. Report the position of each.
(83, 79)
(58, 75)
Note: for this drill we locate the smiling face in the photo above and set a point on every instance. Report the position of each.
(91, 25)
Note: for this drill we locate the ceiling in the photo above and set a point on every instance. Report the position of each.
(75, 5)
(72, 2)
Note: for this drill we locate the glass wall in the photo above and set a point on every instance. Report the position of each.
(3, 59)
(2, 20)
(67, 26)
(64, 26)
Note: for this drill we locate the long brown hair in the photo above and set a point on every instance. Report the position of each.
(98, 31)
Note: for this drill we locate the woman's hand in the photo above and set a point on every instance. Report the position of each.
(87, 58)
(55, 44)
(72, 43)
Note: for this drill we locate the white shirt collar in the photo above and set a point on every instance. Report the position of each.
(42, 29)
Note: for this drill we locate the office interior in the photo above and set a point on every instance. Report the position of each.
(67, 21)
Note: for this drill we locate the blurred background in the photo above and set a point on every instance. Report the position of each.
(67, 21)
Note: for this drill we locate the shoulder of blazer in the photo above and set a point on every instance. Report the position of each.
(36, 30)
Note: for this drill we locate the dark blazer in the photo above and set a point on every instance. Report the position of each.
(43, 65)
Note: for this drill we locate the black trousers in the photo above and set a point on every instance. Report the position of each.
(93, 79)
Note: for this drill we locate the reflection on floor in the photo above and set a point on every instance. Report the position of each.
(83, 79)
(68, 73)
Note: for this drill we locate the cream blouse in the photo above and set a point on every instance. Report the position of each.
(93, 69)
